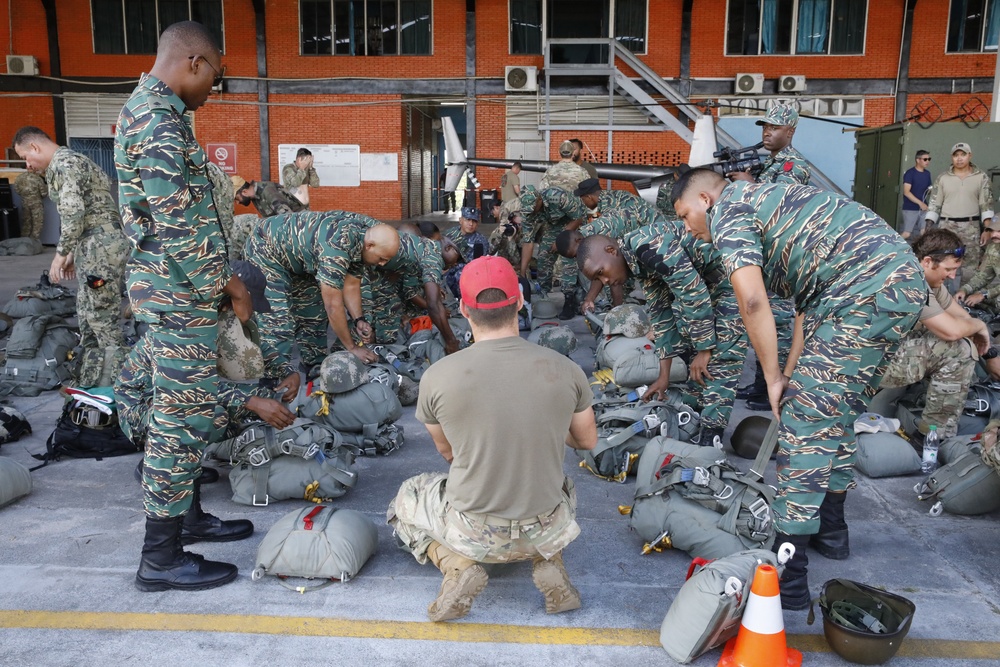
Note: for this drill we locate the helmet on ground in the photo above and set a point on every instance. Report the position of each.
(862, 624)
(628, 319)
(559, 338)
(340, 372)
(748, 436)
(544, 309)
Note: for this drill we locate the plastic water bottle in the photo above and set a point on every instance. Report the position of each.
(931, 442)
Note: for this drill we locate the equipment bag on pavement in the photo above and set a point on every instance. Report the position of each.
(886, 455)
(709, 606)
(690, 498)
(965, 486)
(364, 417)
(43, 298)
(320, 542)
(83, 432)
(15, 481)
(37, 356)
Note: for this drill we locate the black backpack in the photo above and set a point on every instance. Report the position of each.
(77, 440)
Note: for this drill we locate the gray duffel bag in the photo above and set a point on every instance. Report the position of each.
(886, 455)
(965, 486)
(709, 606)
(319, 542)
(15, 481)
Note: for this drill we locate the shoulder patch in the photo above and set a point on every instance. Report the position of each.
(788, 166)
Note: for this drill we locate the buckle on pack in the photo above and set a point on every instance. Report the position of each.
(701, 477)
(258, 456)
(683, 418)
(259, 504)
(312, 451)
(725, 494)
(286, 445)
(651, 421)
(760, 510)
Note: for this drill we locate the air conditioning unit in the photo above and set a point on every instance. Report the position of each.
(22, 65)
(791, 83)
(749, 84)
(520, 79)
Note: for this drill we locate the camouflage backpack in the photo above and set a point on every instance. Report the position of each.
(37, 356)
(43, 298)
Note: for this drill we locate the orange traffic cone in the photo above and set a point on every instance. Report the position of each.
(761, 641)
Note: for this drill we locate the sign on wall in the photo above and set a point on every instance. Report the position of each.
(336, 165)
(379, 166)
(224, 155)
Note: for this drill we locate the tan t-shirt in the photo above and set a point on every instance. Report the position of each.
(508, 183)
(938, 301)
(505, 406)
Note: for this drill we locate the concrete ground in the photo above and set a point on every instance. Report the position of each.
(68, 554)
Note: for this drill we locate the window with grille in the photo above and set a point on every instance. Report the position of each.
(973, 25)
(134, 26)
(795, 27)
(365, 27)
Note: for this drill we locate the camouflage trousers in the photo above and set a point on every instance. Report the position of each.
(32, 217)
(179, 356)
(951, 367)
(134, 395)
(842, 362)
(383, 301)
(420, 515)
(101, 254)
(549, 264)
(726, 365)
(298, 316)
(969, 233)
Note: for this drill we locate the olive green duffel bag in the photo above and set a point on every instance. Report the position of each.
(320, 542)
(15, 481)
(886, 455)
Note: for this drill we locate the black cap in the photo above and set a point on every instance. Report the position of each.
(588, 186)
(255, 282)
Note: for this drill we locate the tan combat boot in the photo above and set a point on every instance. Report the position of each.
(552, 580)
(464, 579)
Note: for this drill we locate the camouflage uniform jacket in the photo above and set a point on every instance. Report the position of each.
(948, 183)
(293, 177)
(559, 208)
(417, 263)
(660, 256)
(564, 174)
(179, 253)
(987, 277)
(508, 247)
(613, 224)
(327, 245)
(786, 166)
(626, 211)
(81, 192)
(274, 199)
(663, 203)
(823, 250)
(467, 242)
(223, 196)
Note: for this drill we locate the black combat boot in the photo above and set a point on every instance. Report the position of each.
(208, 475)
(755, 388)
(201, 526)
(165, 565)
(569, 308)
(832, 540)
(794, 583)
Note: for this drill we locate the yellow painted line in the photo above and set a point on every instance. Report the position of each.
(310, 626)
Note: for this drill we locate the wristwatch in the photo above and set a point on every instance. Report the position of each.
(992, 353)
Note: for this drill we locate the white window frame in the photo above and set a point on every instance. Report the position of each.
(545, 29)
(333, 34)
(794, 36)
(982, 36)
(159, 28)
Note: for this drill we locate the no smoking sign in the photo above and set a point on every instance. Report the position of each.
(223, 155)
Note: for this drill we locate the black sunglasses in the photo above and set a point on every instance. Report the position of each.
(957, 253)
(926, 159)
(217, 81)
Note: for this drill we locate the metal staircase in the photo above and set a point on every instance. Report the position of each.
(635, 91)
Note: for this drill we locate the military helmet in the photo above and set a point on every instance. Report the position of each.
(544, 309)
(862, 624)
(627, 319)
(749, 434)
(559, 338)
(340, 372)
(13, 424)
(528, 198)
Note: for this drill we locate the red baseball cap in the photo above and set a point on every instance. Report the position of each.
(488, 272)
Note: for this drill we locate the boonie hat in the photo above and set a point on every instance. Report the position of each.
(238, 348)
(961, 146)
(566, 148)
(780, 114)
(485, 273)
(470, 213)
(238, 182)
(588, 186)
(255, 282)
